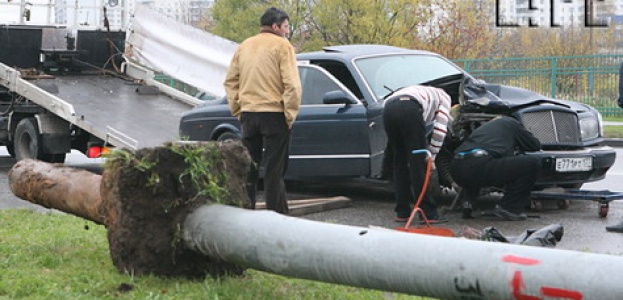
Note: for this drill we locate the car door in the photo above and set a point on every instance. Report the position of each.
(328, 140)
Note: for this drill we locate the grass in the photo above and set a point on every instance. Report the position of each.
(59, 256)
(613, 131)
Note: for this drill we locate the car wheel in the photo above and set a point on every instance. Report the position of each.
(227, 136)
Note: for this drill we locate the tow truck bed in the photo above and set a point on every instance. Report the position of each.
(112, 109)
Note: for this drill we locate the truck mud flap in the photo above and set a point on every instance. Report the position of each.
(55, 134)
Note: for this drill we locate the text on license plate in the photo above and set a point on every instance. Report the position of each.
(574, 164)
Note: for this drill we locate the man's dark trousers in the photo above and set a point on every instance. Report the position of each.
(405, 130)
(516, 174)
(267, 136)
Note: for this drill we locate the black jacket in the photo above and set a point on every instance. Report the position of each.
(501, 137)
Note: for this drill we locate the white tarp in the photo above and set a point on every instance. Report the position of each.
(189, 54)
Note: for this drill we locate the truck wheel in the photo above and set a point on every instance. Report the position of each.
(26, 141)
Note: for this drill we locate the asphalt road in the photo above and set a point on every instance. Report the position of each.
(372, 205)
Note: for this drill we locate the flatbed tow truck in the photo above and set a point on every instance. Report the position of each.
(63, 89)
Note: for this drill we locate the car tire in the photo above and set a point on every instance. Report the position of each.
(227, 136)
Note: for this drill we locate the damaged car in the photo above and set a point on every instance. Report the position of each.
(339, 131)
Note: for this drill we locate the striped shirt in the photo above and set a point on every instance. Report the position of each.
(435, 108)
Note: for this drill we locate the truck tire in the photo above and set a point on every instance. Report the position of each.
(26, 141)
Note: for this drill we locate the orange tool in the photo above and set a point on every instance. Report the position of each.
(427, 228)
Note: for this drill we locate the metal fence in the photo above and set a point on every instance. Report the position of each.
(587, 79)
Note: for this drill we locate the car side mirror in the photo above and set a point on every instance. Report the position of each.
(337, 97)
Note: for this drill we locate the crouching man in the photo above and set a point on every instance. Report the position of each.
(487, 158)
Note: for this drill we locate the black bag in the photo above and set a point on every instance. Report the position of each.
(547, 236)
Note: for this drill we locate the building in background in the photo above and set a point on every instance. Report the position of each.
(189, 12)
(91, 13)
(547, 13)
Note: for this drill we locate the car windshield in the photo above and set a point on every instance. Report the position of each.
(388, 73)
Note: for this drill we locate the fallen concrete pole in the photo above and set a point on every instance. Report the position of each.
(446, 268)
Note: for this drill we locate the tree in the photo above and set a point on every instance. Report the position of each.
(337, 22)
(456, 29)
(236, 19)
(239, 19)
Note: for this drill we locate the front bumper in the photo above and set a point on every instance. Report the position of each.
(602, 159)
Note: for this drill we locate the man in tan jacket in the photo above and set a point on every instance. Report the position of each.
(264, 92)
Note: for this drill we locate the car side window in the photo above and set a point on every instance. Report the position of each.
(315, 85)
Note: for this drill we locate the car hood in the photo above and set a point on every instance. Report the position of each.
(503, 97)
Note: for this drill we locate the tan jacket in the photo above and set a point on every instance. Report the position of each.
(263, 77)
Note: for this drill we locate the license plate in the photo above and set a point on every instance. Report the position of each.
(574, 164)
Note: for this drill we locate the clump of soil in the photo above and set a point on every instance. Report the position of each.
(150, 193)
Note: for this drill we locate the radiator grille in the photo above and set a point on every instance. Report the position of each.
(553, 127)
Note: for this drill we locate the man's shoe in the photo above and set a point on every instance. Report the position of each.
(467, 210)
(615, 228)
(507, 215)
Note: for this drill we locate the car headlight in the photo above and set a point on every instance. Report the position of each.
(589, 128)
(601, 124)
